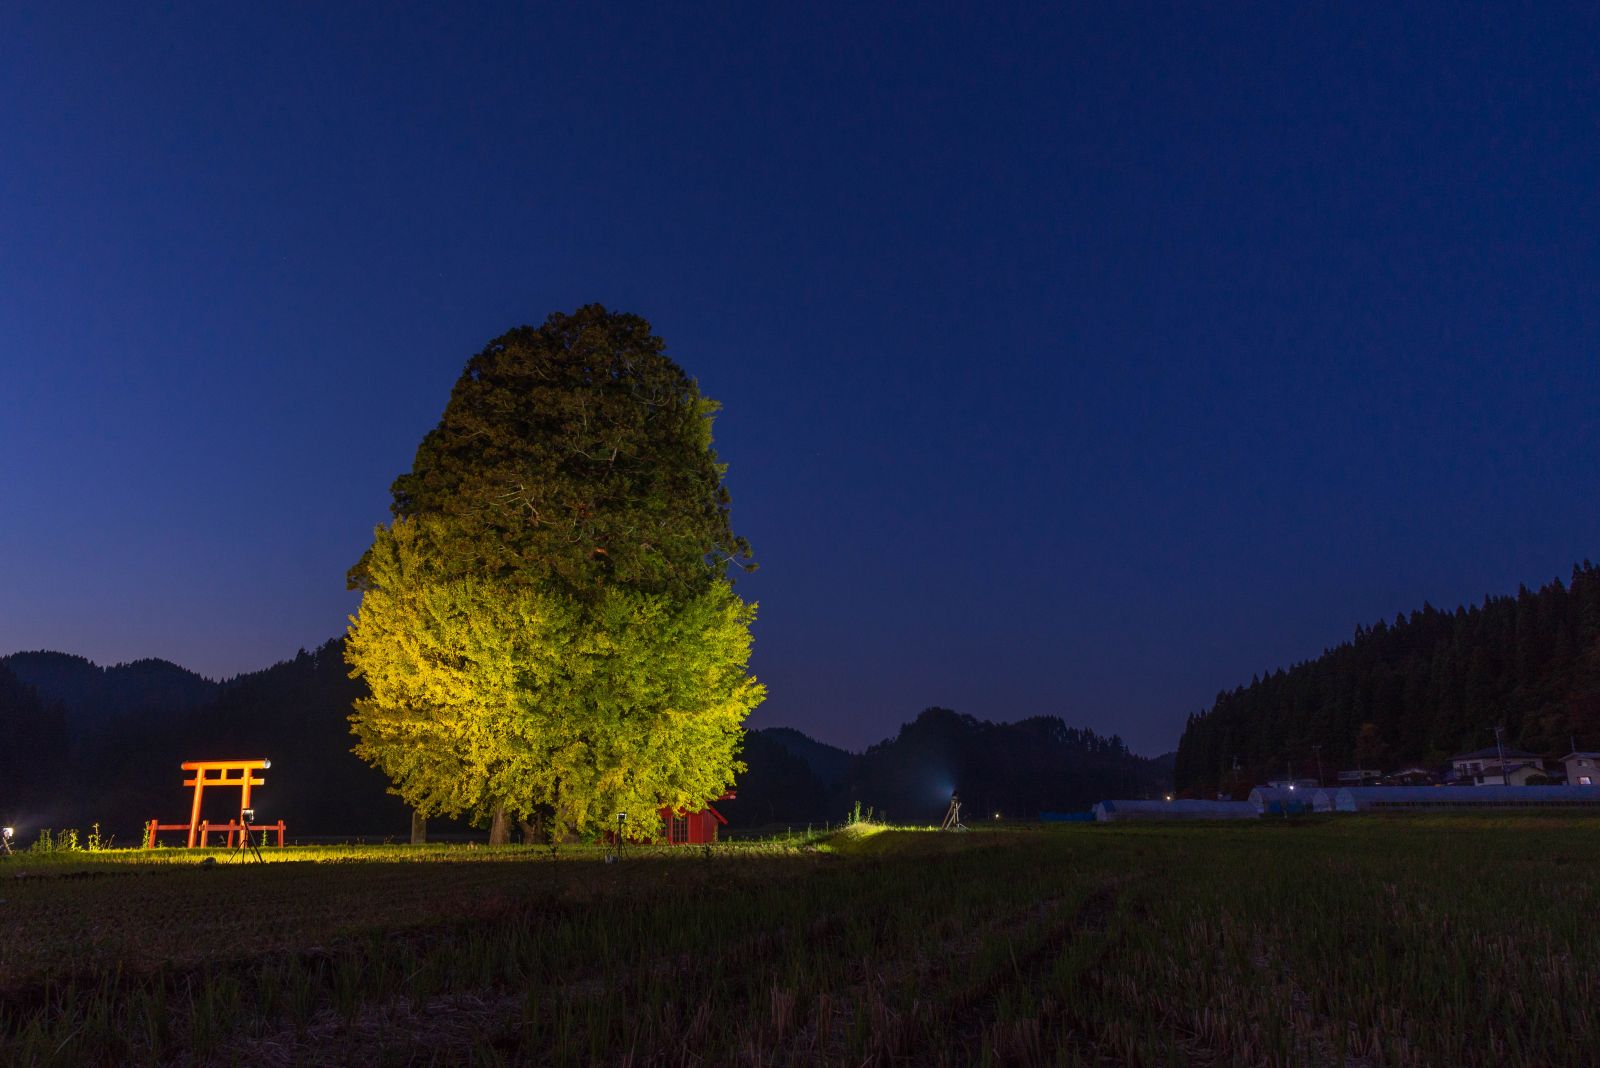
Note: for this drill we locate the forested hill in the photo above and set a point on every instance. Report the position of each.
(93, 695)
(829, 763)
(1417, 690)
(110, 741)
(1017, 769)
(91, 744)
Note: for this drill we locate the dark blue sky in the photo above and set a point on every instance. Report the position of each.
(1080, 361)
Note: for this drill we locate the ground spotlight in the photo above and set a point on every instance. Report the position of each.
(5, 840)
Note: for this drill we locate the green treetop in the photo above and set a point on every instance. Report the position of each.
(576, 455)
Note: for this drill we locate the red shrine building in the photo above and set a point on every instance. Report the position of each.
(693, 828)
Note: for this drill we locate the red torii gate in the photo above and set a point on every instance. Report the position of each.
(219, 773)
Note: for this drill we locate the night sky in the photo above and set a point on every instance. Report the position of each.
(1080, 361)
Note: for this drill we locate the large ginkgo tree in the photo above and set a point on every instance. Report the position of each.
(547, 629)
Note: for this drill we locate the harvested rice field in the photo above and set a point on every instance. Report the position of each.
(1354, 941)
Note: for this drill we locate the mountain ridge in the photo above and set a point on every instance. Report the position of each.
(122, 768)
(97, 694)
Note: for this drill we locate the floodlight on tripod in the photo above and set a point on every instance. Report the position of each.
(952, 817)
(247, 845)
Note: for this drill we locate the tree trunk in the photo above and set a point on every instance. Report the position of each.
(419, 828)
(500, 828)
(533, 832)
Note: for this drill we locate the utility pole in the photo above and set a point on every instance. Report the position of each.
(1499, 744)
(1317, 749)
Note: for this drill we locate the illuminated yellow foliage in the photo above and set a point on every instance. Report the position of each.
(486, 694)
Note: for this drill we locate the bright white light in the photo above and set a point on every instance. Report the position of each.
(9, 831)
(265, 763)
(1169, 797)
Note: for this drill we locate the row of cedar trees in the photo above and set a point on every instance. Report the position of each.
(1415, 691)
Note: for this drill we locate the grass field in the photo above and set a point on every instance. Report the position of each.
(1360, 941)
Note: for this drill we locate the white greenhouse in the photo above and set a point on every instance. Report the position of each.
(1447, 798)
(1175, 810)
(1273, 801)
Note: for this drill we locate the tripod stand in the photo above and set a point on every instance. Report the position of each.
(247, 845)
(618, 844)
(952, 818)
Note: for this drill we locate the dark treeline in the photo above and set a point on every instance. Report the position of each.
(124, 730)
(1016, 769)
(36, 744)
(95, 696)
(87, 744)
(1417, 690)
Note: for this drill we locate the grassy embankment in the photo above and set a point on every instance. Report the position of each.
(1463, 940)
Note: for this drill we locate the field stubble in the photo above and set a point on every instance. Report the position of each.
(1357, 942)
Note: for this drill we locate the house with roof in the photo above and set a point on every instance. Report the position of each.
(1496, 767)
(1583, 769)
